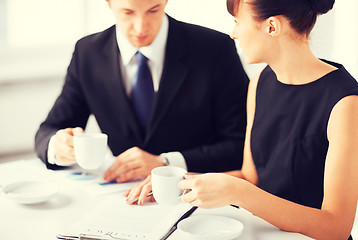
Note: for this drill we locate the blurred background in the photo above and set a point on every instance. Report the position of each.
(37, 38)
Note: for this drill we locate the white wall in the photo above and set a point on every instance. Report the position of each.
(335, 36)
(345, 37)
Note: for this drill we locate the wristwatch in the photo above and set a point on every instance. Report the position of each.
(165, 160)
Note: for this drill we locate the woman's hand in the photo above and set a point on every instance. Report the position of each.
(209, 190)
(141, 190)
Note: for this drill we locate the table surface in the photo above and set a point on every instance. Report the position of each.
(45, 220)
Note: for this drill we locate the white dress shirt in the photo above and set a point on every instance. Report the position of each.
(155, 53)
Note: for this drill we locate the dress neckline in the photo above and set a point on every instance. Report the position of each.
(316, 81)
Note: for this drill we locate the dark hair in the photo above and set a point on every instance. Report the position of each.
(302, 14)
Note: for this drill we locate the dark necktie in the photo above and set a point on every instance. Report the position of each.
(143, 91)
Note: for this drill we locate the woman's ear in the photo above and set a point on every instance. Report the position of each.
(272, 26)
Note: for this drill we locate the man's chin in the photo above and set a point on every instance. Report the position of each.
(140, 44)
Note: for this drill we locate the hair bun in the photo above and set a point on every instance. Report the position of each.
(321, 6)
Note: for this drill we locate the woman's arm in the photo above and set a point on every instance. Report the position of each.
(248, 170)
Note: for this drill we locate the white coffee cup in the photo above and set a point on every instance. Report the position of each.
(165, 184)
(90, 149)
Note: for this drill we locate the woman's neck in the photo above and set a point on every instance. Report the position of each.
(295, 63)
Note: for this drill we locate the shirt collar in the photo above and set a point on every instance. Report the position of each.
(154, 52)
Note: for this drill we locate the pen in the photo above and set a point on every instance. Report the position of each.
(175, 226)
(136, 199)
(107, 183)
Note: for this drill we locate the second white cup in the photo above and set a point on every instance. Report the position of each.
(165, 184)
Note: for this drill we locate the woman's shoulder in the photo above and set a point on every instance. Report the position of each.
(266, 72)
(340, 75)
(339, 83)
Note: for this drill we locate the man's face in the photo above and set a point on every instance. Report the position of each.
(139, 20)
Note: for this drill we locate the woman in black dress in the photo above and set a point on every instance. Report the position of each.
(300, 170)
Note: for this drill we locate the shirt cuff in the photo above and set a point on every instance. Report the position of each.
(51, 154)
(175, 159)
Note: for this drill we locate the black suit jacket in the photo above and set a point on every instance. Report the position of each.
(199, 110)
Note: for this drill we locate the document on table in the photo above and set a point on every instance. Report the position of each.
(98, 187)
(90, 183)
(115, 219)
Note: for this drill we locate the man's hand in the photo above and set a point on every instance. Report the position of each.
(133, 163)
(64, 151)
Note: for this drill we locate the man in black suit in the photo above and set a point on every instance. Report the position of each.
(198, 116)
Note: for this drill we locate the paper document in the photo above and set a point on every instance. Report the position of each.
(115, 219)
(90, 183)
(99, 187)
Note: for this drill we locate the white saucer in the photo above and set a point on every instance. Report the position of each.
(210, 227)
(29, 192)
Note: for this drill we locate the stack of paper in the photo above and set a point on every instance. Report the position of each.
(116, 219)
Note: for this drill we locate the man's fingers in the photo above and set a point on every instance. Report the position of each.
(64, 152)
(65, 158)
(77, 131)
(64, 137)
(130, 153)
(63, 149)
(126, 176)
(128, 166)
(67, 130)
(109, 175)
(114, 171)
(119, 170)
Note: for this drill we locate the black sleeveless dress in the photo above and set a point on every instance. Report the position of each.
(289, 133)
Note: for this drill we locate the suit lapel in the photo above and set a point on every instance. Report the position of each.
(173, 76)
(115, 86)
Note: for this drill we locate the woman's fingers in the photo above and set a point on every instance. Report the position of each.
(147, 188)
(141, 189)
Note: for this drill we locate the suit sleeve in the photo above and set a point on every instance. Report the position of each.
(229, 93)
(69, 110)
